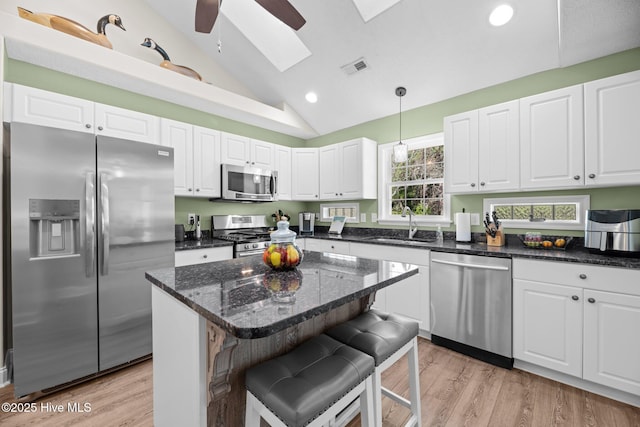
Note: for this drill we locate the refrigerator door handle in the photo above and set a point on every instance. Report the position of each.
(90, 223)
(104, 209)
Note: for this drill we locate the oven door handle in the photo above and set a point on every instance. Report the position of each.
(246, 254)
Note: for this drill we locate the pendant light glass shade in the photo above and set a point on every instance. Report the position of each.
(400, 150)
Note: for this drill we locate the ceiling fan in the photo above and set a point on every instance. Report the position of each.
(207, 12)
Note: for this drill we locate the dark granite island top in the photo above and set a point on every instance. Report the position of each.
(237, 294)
(213, 321)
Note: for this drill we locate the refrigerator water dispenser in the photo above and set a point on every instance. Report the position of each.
(54, 227)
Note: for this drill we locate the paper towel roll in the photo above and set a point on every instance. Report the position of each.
(463, 227)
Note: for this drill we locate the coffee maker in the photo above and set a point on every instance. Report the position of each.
(306, 221)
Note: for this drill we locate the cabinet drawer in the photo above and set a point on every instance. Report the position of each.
(391, 253)
(336, 247)
(614, 279)
(200, 256)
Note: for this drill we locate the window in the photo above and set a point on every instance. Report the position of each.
(552, 212)
(417, 183)
(349, 210)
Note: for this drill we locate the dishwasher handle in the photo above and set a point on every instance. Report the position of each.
(478, 266)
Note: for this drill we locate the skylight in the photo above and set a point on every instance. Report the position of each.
(277, 42)
(369, 9)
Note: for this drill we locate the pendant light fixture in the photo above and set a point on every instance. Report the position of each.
(400, 150)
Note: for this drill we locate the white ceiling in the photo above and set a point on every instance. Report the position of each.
(437, 49)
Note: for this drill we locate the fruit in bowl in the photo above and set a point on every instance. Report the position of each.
(282, 256)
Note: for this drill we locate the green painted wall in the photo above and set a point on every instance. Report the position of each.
(420, 121)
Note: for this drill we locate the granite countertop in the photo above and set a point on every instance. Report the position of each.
(513, 249)
(235, 295)
(202, 244)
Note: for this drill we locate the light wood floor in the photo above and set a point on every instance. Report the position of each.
(456, 391)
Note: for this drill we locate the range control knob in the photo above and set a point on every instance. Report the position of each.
(255, 245)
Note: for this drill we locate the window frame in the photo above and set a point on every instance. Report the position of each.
(385, 152)
(583, 204)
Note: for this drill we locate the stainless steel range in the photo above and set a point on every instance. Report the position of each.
(249, 233)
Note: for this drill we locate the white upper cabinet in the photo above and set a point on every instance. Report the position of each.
(348, 170)
(482, 149)
(243, 151)
(461, 152)
(126, 124)
(304, 173)
(282, 164)
(44, 108)
(552, 139)
(499, 147)
(612, 126)
(196, 158)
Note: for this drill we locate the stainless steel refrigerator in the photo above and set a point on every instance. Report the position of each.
(88, 216)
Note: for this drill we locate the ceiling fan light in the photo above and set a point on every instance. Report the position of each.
(311, 97)
(501, 15)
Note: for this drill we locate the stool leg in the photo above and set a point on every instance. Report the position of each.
(414, 382)
(367, 403)
(377, 396)
(252, 415)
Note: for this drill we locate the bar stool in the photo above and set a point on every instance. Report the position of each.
(386, 337)
(310, 385)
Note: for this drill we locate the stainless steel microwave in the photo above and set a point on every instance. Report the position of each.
(249, 184)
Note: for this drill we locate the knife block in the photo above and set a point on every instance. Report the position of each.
(499, 240)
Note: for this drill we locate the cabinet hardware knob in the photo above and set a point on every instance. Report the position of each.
(583, 276)
(591, 300)
(88, 126)
(592, 175)
(482, 183)
(189, 189)
(336, 194)
(100, 128)
(473, 184)
(332, 247)
(205, 256)
(197, 189)
(316, 195)
(577, 177)
(575, 297)
(341, 194)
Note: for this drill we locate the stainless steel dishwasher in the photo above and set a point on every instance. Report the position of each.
(471, 306)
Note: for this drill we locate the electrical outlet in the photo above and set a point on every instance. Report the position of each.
(475, 219)
(317, 216)
(363, 217)
(191, 219)
(374, 217)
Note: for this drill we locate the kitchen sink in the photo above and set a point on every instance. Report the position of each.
(410, 242)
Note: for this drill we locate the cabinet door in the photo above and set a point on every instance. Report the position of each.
(611, 130)
(282, 165)
(552, 139)
(126, 124)
(206, 162)
(334, 247)
(611, 344)
(235, 149)
(351, 164)
(499, 147)
(262, 154)
(51, 109)
(330, 171)
(461, 152)
(180, 136)
(304, 181)
(547, 325)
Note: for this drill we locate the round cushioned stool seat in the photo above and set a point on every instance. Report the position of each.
(376, 333)
(300, 385)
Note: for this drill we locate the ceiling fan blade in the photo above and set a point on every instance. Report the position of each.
(284, 11)
(206, 14)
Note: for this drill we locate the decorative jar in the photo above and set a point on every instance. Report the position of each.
(282, 253)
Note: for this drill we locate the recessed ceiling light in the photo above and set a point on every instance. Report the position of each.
(311, 97)
(501, 15)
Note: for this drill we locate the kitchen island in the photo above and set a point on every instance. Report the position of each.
(213, 321)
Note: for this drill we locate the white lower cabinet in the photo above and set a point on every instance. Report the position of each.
(409, 297)
(201, 256)
(580, 320)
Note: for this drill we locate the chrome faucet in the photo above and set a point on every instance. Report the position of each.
(412, 223)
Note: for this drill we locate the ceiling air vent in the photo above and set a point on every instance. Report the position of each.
(355, 66)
